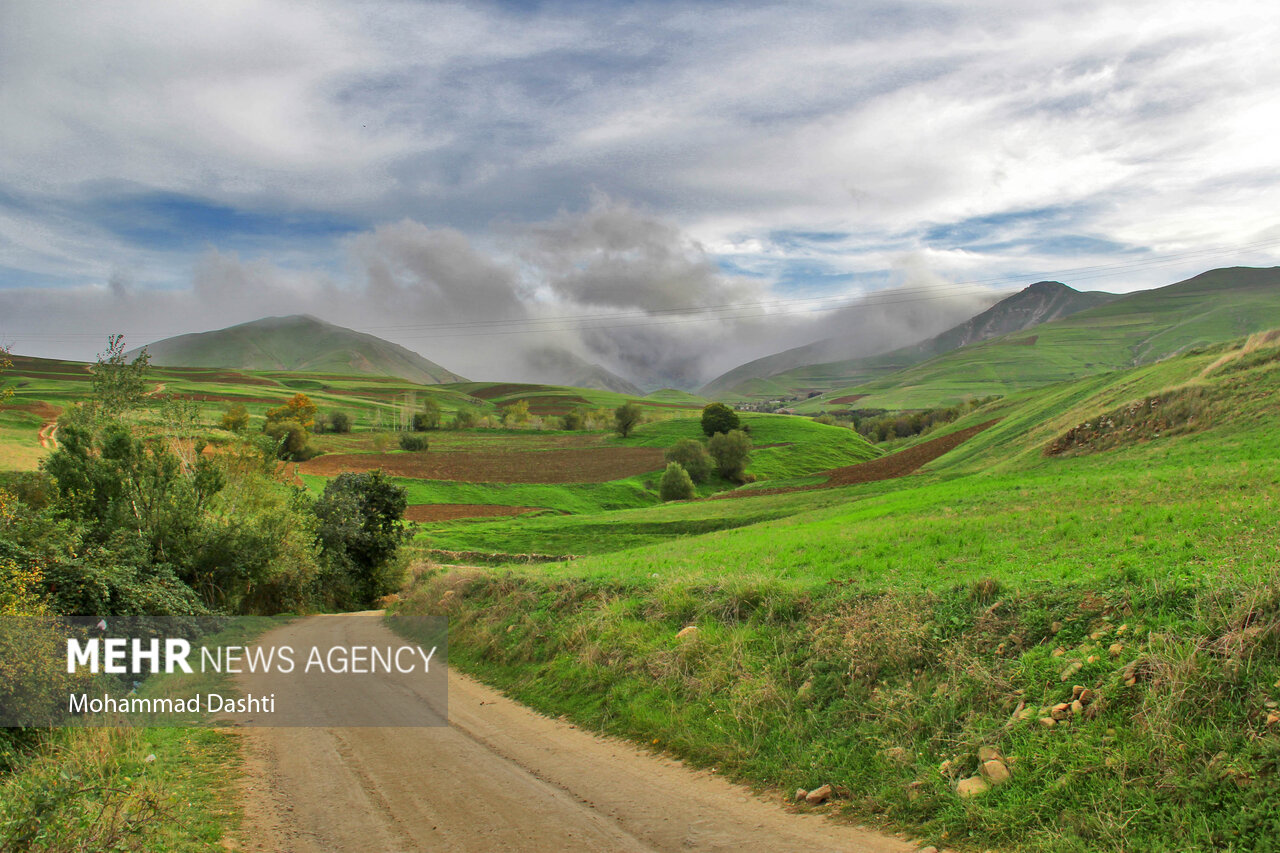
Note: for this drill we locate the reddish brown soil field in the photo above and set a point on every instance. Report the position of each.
(1025, 342)
(448, 512)
(888, 467)
(227, 398)
(503, 389)
(552, 404)
(40, 409)
(584, 465)
(849, 398)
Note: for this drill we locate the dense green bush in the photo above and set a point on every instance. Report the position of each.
(731, 451)
(626, 418)
(693, 458)
(676, 484)
(411, 442)
(361, 526)
(718, 418)
(339, 422)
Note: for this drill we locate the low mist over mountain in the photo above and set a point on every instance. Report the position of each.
(819, 365)
(555, 366)
(297, 342)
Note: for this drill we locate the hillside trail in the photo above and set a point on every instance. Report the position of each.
(498, 777)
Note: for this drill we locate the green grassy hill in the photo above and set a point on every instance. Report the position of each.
(804, 369)
(297, 343)
(1110, 541)
(1141, 328)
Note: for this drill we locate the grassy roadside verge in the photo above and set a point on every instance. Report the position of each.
(126, 789)
(891, 696)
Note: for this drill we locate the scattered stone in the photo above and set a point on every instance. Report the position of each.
(1077, 707)
(897, 755)
(972, 787)
(1091, 659)
(687, 631)
(1055, 627)
(1115, 649)
(988, 753)
(1120, 631)
(801, 793)
(1273, 718)
(1099, 634)
(150, 758)
(1086, 696)
(1076, 691)
(996, 771)
(1058, 652)
(1048, 722)
(1060, 711)
(1072, 670)
(818, 795)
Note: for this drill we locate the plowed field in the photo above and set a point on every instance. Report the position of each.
(577, 465)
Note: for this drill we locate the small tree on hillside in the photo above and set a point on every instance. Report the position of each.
(516, 414)
(626, 417)
(236, 418)
(731, 451)
(692, 457)
(299, 409)
(429, 417)
(675, 484)
(340, 422)
(574, 419)
(718, 418)
(5, 364)
(119, 385)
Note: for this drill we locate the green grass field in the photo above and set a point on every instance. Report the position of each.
(874, 637)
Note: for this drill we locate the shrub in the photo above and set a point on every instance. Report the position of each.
(676, 484)
(411, 442)
(465, 418)
(718, 418)
(731, 451)
(693, 458)
(574, 420)
(236, 418)
(291, 439)
(340, 422)
(626, 417)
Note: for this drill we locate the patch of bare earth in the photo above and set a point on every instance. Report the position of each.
(576, 465)
(448, 512)
(889, 467)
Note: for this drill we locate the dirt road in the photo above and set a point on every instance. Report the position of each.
(498, 777)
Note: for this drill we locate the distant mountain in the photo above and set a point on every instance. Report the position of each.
(1131, 330)
(803, 369)
(297, 343)
(555, 366)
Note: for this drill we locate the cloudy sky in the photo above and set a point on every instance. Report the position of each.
(665, 188)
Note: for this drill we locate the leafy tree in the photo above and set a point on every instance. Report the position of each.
(429, 417)
(465, 418)
(676, 484)
(118, 384)
(574, 419)
(5, 364)
(718, 418)
(693, 458)
(340, 422)
(299, 409)
(517, 413)
(732, 451)
(626, 417)
(361, 527)
(236, 418)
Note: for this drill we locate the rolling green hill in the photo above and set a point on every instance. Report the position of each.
(1140, 328)
(801, 370)
(297, 343)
